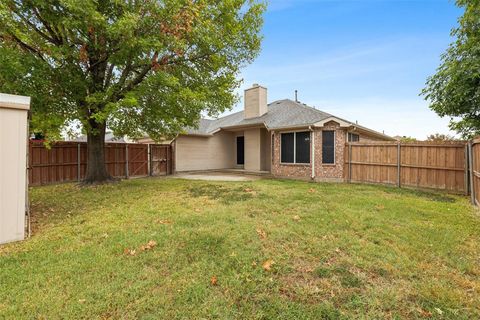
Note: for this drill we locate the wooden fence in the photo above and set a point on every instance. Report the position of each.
(67, 161)
(474, 164)
(421, 165)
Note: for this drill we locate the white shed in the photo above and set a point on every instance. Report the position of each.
(13, 166)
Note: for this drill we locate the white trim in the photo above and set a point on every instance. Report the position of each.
(334, 151)
(312, 148)
(295, 148)
(341, 122)
(352, 133)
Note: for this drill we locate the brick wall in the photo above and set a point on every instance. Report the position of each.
(298, 171)
(330, 172)
(323, 172)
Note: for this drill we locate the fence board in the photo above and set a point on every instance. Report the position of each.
(60, 162)
(421, 165)
(475, 172)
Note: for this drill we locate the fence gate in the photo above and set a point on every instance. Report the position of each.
(161, 163)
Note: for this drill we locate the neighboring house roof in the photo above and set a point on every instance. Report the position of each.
(281, 114)
(109, 137)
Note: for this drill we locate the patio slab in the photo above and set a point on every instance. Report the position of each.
(217, 176)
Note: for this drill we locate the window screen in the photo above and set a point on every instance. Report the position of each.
(302, 147)
(328, 147)
(287, 146)
(352, 137)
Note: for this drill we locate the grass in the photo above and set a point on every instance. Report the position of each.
(335, 251)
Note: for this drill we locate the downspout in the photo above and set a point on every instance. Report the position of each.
(313, 153)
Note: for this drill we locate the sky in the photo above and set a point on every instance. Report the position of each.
(361, 60)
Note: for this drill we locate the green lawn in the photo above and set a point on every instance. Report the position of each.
(333, 250)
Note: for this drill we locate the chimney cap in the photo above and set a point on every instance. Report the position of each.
(256, 86)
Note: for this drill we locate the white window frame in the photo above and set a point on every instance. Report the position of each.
(295, 148)
(352, 133)
(334, 151)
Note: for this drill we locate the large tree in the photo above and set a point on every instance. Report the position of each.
(135, 66)
(454, 91)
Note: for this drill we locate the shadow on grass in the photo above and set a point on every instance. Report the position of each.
(425, 193)
(224, 194)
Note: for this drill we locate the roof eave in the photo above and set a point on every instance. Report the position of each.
(195, 134)
(373, 132)
(302, 126)
(246, 126)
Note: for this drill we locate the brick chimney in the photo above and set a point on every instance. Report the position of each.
(255, 101)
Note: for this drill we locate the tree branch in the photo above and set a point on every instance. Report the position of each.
(25, 46)
(37, 30)
(57, 40)
(108, 75)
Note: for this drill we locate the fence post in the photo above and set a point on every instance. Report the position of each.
(126, 161)
(149, 163)
(166, 161)
(470, 164)
(399, 165)
(466, 185)
(349, 162)
(78, 161)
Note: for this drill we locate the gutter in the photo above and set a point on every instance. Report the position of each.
(372, 132)
(313, 152)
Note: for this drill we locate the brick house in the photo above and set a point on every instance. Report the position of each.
(285, 138)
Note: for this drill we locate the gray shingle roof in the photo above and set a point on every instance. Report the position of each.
(109, 137)
(281, 113)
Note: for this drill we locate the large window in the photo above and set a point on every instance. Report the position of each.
(295, 147)
(328, 147)
(352, 137)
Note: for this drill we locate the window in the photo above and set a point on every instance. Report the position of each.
(352, 137)
(328, 147)
(288, 155)
(302, 147)
(295, 147)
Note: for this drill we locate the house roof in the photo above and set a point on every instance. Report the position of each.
(281, 114)
(109, 137)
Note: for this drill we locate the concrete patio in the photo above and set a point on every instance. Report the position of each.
(224, 175)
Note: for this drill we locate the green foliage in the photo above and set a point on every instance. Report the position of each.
(140, 67)
(454, 91)
(439, 137)
(407, 139)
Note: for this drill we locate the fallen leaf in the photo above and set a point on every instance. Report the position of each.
(296, 218)
(261, 233)
(130, 252)
(312, 190)
(439, 311)
(424, 313)
(213, 281)
(197, 210)
(251, 191)
(267, 265)
(164, 222)
(149, 245)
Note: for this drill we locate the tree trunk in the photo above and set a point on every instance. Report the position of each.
(96, 169)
